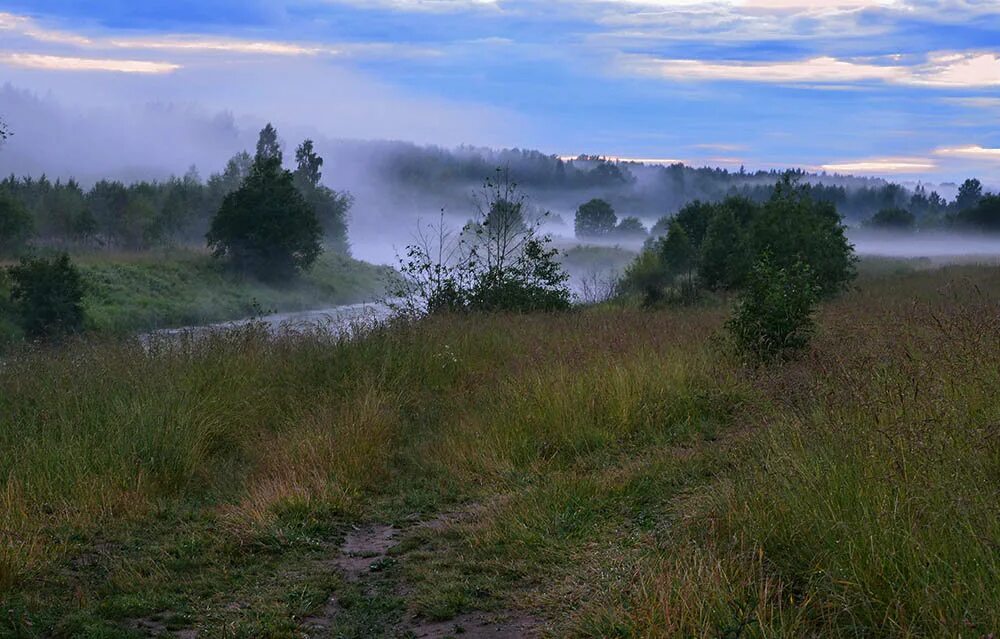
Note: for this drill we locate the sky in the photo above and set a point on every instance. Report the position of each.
(908, 89)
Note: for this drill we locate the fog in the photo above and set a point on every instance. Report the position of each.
(156, 140)
(939, 246)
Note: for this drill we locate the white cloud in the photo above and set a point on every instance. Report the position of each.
(881, 165)
(943, 70)
(70, 63)
(970, 152)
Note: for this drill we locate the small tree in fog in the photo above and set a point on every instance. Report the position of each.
(631, 228)
(679, 255)
(268, 147)
(895, 218)
(4, 131)
(266, 227)
(595, 219)
(499, 262)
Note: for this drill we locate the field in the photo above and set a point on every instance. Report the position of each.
(160, 289)
(607, 472)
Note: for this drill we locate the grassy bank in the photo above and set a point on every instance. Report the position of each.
(598, 473)
(137, 292)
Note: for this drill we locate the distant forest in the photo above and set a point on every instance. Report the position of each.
(380, 177)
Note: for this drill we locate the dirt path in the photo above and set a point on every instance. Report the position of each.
(367, 548)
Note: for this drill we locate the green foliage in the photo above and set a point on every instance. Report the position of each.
(694, 218)
(969, 194)
(725, 253)
(47, 295)
(647, 276)
(984, 216)
(595, 218)
(631, 228)
(16, 225)
(331, 207)
(773, 316)
(678, 254)
(895, 219)
(266, 227)
(793, 229)
(498, 263)
(268, 147)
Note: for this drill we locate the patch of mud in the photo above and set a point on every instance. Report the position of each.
(364, 548)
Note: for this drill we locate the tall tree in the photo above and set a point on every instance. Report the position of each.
(268, 147)
(331, 206)
(266, 227)
(309, 165)
(969, 194)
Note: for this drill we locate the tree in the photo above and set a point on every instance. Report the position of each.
(969, 194)
(725, 254)
(266, 227)
(897, 219)
(694, 217)
(595, 218)
(47, 296)
(16, 225)
(984, 216)
(499, 262)
(792, 228)
(268, 147)
(647, 276)
(309, 165)
(331, 206)
(773, 316)
(4, 131)
(679, 255)
(631, 227)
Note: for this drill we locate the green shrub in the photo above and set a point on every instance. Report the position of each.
(47, 296)
(16, 225)
(773, 316)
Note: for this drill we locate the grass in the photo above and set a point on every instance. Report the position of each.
(604, 472)
(129, 292)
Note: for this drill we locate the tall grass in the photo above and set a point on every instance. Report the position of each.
(608, 469)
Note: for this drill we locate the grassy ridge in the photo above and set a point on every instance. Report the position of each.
(136, 292)
(607, 471)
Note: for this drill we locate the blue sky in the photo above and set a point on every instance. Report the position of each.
(904, 88)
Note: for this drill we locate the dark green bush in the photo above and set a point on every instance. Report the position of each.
(773, 318)
(47, 296)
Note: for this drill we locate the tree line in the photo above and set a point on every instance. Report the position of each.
(148, 214)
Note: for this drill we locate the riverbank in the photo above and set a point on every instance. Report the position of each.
(129, 293)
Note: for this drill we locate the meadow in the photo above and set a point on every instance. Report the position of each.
(606, 472)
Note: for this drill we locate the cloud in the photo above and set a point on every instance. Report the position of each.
(881, 165)
(970, 152)
(943, 70)
(68, 63)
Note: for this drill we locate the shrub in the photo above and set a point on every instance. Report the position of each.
(893, 218)
(47, 296)
(631, 227)
(499, 262)
(645, 276)
(773, 316)
(16, 225)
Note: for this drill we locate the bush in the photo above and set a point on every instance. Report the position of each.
(499, 262)
(16, 225)
(897, 219)
(773, 316)
(47, 296)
